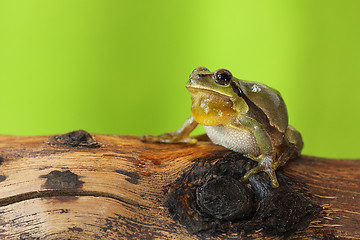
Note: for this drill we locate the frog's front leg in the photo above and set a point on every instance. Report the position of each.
(179, 136)
(266, 159)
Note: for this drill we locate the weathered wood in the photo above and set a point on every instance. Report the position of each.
(53, 190)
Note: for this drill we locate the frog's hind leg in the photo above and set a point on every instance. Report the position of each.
(294, 145)
(290, 153)
(269, 163)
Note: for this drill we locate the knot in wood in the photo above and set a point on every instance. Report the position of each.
(225, 198)
(79, 138)
(62, 180)
(211, 198)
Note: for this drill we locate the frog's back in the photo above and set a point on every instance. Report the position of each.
(269, 101)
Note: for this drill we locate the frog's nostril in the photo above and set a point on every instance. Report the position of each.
(201, 69)
(191, 78)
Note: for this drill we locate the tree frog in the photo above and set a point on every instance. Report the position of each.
(246, 117)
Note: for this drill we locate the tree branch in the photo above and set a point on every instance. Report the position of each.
(113, 187)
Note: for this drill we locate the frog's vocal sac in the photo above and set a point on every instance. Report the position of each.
(246, 117)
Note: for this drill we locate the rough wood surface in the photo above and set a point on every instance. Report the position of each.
(117, 190)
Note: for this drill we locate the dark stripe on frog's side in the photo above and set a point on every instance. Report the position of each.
(256, 113)
(239, 92)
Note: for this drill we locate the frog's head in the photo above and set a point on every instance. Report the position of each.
(218, 82)
(216, 97)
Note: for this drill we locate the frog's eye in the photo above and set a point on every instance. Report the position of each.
(222, 76)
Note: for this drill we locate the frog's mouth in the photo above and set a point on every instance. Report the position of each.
(198, 89)
(206, 93)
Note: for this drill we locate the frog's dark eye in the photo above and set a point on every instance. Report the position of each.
(222, 76)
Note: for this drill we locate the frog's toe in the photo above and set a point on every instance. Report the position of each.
(171, 137)
(253, 157)
(249, 173)
(273, 179)
(147, 138)
(263, 166)
(190, 140)
(164, 138)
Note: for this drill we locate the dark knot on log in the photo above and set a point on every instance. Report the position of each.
(79, 138)
(211, 198)
(225, 198)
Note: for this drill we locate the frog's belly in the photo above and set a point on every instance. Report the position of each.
(238, 140)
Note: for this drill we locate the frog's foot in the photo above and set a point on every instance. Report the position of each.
(266, 164)
(171, 137)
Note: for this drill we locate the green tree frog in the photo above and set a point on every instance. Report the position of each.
(246, 117)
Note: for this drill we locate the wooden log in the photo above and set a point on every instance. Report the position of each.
(117, 187)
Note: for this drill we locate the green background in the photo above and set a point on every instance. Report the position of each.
(119, 67)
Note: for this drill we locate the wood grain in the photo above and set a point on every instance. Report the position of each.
(119, 190)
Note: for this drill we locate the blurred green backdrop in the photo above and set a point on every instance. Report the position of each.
(119, 67)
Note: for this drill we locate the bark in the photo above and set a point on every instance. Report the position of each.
(74, 186)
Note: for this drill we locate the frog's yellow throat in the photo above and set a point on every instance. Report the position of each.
(210, 108)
